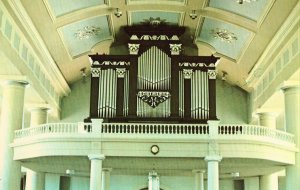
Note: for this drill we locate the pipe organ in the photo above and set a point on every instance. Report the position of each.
(155, 82)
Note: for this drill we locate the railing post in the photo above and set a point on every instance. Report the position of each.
(213, 128)
(97, 125)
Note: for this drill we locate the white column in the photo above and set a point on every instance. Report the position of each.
(11, 120)
(96, 171)
(251, 183)
(268, 182)
(36, 180)
(106, 178)
(199, 179)
(38, 115)
(213, 172)
(267, 119)
(292, 122)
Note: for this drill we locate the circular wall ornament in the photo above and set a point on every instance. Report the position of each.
(154, 149)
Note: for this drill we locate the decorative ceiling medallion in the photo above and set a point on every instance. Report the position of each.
(154, 21)
(87, 32)
(153, 99)
(223, 35)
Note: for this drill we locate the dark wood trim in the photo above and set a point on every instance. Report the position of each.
(212, 99)
(187, 98)
(174, 87)
(120, 97)
(133, 71)
(94, 97)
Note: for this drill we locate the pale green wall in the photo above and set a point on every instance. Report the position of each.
(132, 182)
(232, 103)
(52, 182)
(76, 106)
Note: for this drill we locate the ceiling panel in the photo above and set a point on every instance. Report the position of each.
(155, 16)
(59, 7)
(226, 38)
(80, 37)
(156, 1)
(251, 9)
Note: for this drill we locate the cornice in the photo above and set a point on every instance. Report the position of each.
(275, 45)
(54, 73)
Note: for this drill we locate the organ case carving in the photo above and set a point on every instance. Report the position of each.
(154, 82)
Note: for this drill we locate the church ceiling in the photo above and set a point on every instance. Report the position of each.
(236, 30)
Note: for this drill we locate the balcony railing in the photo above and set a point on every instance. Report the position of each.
(201, 131)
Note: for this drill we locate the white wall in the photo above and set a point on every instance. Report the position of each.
(76, 106)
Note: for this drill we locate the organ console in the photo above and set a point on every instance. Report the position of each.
(155, 81)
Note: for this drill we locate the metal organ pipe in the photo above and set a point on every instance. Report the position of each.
(154, 74)
(107, 93)
(200, 95)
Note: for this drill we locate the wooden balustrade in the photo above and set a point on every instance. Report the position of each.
(201, 130)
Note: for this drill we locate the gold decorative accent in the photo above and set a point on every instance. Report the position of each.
(87, 32)
(175, 49)
(187, 73)
(223, 35)
(121, 72)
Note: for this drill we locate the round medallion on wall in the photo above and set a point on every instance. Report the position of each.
(154, 149)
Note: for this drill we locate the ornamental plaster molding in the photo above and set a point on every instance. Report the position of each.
(51, 69)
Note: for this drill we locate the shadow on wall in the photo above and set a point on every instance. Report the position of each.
(232, 103)
(75, 107)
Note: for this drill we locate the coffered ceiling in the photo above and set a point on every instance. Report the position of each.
(237, 31)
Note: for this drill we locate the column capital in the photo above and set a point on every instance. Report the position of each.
(36, 107)
(290, 85)
(213, 122)
(106, 169)
(266, 112)
(96, 156)
(211, 158)
(197, 171)
(11, 82)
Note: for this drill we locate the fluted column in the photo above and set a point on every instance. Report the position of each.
(96, 171)
(213, 172)
(11, 120)
(106, 179)
(292, 122)
(267, 119)
(36, 180)
(268, 182)
(199, 179)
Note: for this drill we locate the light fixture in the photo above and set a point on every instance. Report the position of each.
(70, 172)
(118, 13)
(224, 74)
(193, 14)
(235, 174)
(83, 72)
